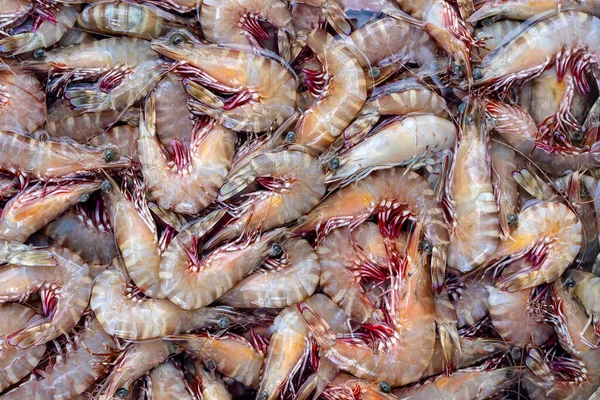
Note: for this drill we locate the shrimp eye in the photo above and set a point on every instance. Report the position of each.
(384, 387)
(110, 155)
(512, 219)
(106, 186)
(84, 197)
(509, 374)
(210, 364)
(556, 137)
(290, 137)
(39, 53)
(515, 352)
(223, 323)
(334, 163)
(486, 22)
(456, 68)
(177, 39)
(276, 250)
(469, 120)
(490, 348)
(264, 395)
(570, 282)
(477, 73)
(374, 72)
(426, 246)
(122, 392)
(577, 136)
(583, 192)
(302, 219)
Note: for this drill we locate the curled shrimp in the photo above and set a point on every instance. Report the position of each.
(286, 280)
(506, 191)
(546, 240)
(586, 290)
(124, 312)
(189, 182)
(84, 358)
(143, 21)
(295, 183)
(396, 195)
(22, 105)
(55, 158)
(403, 356)
(238, 21)
(338, 102)
(61, 19)
(64, 290)
(522, 10)
(34, 207)
(264, 90)
(16, 363)
(475, 232)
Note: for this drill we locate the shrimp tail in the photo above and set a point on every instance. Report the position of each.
(449, 339)
(400, 15)
(31, 336)
(532, 184)
(27, 257)
(518, 281)
(228, 233)
(235, 184)
(320, 329)
(18, 44)
(83, 98)
(204, 98)
(333, 10)
(148, 117)
(438, 268)
(360, 127)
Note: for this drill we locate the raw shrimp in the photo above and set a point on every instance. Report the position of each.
(512, 319)
(211, 385)
(83, 360)
(446, 323)
(133, 362)
(522, 10)
(64, 290)
(239, 22)
(295, 183)
(586, 290)
(403, 356)
(493, 34)
(347, 259)
(282, 281)
(470, 296)
(345, 386)
(22, 105)
(546, 240)
(143, 21)
(47, 33)
(135, 236)
(339, 101)
(124, 137)
(191, 180)
(125, 313)
(192, 280)
(265, 90)
(15, 253)
(16, 363)
(506, 191)
(232, 355)
(14, 11)
(396, 194)
(334, 12)
(168, 382)
(55, 158)
(34, 207)
(403, 141)
(475, 233)
(467, 384)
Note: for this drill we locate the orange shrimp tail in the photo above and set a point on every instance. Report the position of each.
(320, 329)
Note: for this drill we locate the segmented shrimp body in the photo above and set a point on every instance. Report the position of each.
(339, 101)
(16, 363)
(265, 90)
(22, 105)
(522, 10)
(191, 181)
(475, 232)
(64, 290)
(493, 34)
(125, 313)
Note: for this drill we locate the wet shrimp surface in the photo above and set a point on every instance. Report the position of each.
(299, 199)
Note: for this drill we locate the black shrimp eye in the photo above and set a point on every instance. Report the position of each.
(426, 246)
(84, 197)
(223, 323)
(469, 120)
(456, 68)
(176, 39)
(374, 72)
(210, 364)
(577, 136)
(110, 155)
(276, 250)
(384, 387)
(106, 186)
(512, 219)
(264, 395)
(486, 22)
(570, 282)
(334, 163)
(556, 137)
(477, 73)
(302, 219)
(39, 53)
(122, 392)
(515, 352)
(510, 373)
(290, 137)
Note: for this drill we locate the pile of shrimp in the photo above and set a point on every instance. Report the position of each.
(299, 199)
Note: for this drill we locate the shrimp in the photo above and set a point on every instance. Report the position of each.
(534, 49)
(55, 158)
(125, 313)
(586, 290)
(338, 102)
(167, 381)
(85, 232)
(16, 363)
(143, 21)
(15, 253)
(36, 206)
(400, 142)
(347, 260)
(286, 280)
(238, 21)
(295, 183)
(334, 12)
(475, 232)
(506, 191)
(512, 319)
(192, 281)
(396, 194)
(14, 11)
(64, 291)
(522, 10)
(136, 360)
(211, 385)
(47, 33)
(470, 298)
(189, 182)
(468, 384)
(446, 323)
(493, 34)
(345, 386)
(232, 355)
(402, 357)
(135, 236)
(546, 240)
(83, 360)
(264, 90)
(124, 137)
(22, 104)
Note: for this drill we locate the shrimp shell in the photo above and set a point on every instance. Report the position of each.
(168, 382)
(22, 105)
